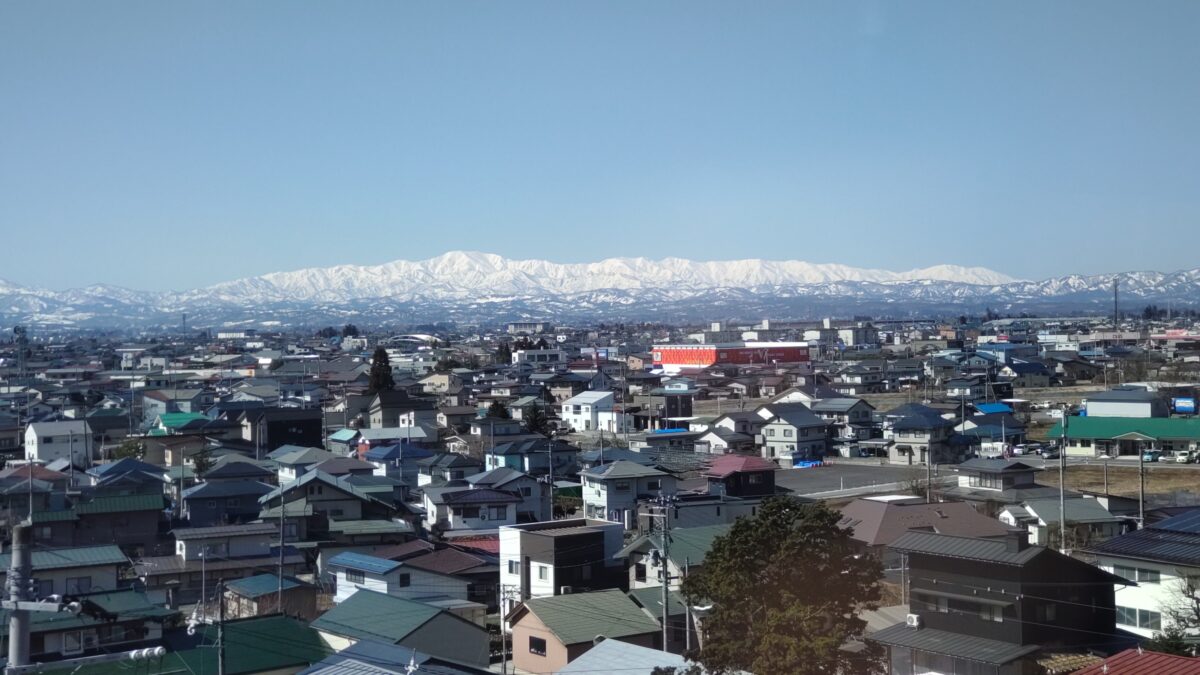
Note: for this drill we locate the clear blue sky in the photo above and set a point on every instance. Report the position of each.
(173, 144)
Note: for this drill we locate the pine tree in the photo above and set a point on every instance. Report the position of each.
(786, 588)
(536, 422)
(202, 462)
(380, 378)
(504, 353)
(498, 410)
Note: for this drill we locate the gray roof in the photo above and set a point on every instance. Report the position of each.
(982, 650)
(1081, 510)
(967, 548)
(835, 404)
(224, 531)
(615, 656)
(622, 469)
(996, 466)
(1154, 543)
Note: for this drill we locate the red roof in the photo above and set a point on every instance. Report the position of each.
(39, 472)
(730, 464)
(1140, 662)
(484, 543)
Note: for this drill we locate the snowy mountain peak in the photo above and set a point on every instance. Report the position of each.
(459, 274)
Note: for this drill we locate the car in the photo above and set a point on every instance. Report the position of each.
(1184, 457)
(1151, 455)
(1049, 454)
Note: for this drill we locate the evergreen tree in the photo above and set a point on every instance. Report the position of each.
(536, 422)
(349, 330)
(504, 353)
(202, 462)
(380, 377)
(327, 332)
(786, 587)
(131, 448)
(498, 410)
(1171, 640)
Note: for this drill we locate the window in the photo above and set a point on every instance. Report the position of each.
(469, 512)
(47, 439)
(233, 502)
(526, 491)
(1126, 616)
(543, 572)
(654, 484)
(1149, 620)
(537, 646)
(770, 432)
(639, 571)
(45, 588)
(754, 478)
(498, 512)
(514, 566)
(43, 532)
(621, 486)
(1148, 576)
(355, 577)
(79, 584)
(404, 580)
(787, 433)
(1046, 613)
(991, 613)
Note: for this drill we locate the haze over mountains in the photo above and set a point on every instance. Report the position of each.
(479, 287)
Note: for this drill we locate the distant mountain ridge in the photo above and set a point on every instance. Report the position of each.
(481, 288)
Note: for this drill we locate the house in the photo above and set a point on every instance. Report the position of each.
(1087, 521)
(394, 408)
(550, 632)
(259, 596)
(477, 568)
(372, 616)
(1142, 662)
(463, 508)
(294, 461)
(438, 469)
(689, 546)
(848, 419)
(741, 476)
(996, 481)
(535, 494)
(398, 460)
(66, 571)
(222, 502)
(532, 456)
(1162, 562)
(594, 411)
(966, 388)
(271, 428)
(354, 572)
(203, 554)
(376, 658)
(793, 432)
(612, 491)
(616, 656)
(560, 556)
(116, 620)
(876, 522)
(48, 441)
(318, 505)
(920, 435)
(456, 417)
(980, 605)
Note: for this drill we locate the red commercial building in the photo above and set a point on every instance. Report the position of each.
(694, 357)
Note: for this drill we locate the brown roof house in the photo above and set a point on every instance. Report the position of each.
(878, 521)
(550, 632)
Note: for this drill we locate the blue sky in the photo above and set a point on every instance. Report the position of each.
(174, 144)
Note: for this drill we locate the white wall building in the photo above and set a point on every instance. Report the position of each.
(593, 411)
(48, 441)
(356, 571)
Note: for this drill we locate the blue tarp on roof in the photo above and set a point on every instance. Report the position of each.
(990, 408)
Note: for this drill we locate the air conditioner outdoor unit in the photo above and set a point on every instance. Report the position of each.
(565, 590)
(913, 620)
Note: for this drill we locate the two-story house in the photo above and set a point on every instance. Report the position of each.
(463, 508)
(533, 456)
(438, 469)
(792, 433)
(535, 494)
(612, 491)
(357, 571)
(594, 411)
(70, 440)
(986, 606)
(1160, 571)
(920, 434)
(561, 556)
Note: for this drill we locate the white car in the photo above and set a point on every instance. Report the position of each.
(1184, 457)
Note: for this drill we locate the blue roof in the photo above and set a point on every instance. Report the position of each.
(381, 453)
(343, 435)
(125, 465)
(364, 563)
(989, 408)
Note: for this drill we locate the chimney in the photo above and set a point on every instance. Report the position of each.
(1016, 541)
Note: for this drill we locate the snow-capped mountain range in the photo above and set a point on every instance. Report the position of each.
(479, 287)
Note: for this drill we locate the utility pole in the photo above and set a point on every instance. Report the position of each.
(687, 611)
(663, 502)
(19, 573)
(282, 535)
(221, 627)
(1062, 481)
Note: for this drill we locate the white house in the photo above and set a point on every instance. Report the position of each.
(357, 571)
(48, 441)
(611, 491)
(1164, 561)
(464, 508)
(593, 411)
(548, 558)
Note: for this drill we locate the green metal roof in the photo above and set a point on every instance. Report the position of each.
(121, 504)
(343, 435)
(64, 558)
(126, 605)
(650, 598)
(179, 419)
(40, 517)
(689, 545)
(262, 584)
(377, 616)
(1111, 427)
(580, 617)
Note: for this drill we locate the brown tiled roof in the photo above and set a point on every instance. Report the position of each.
(446, 561)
